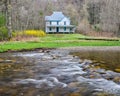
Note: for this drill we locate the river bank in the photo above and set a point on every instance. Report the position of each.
(55, 41)
(72, 49)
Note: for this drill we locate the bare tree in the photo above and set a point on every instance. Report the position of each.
(6, 9)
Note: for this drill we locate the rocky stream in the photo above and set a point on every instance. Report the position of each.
(59, 73)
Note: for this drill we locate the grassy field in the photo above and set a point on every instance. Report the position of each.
(55, 41)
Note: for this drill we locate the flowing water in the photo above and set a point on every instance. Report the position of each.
(59, 73)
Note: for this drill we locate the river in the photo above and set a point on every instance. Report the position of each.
(60, 73)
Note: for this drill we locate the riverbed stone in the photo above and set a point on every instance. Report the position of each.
(47, 57)
(6, 61)
(67, 57)
(101, 71)
(110, 75)
(86, 62)
(117, 70)
(93, 75)
(102, 94)
(73, 84)
(75, 94)
(1, 60)
(116, 79)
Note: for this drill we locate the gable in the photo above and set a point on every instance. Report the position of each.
(65, 19)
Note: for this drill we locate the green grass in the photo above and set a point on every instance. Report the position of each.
(52, 37)
(56, 41)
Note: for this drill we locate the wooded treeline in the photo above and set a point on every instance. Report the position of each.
(88, 15)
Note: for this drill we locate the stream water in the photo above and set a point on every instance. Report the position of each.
(60, 73)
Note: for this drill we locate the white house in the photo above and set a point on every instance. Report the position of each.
(58, 23)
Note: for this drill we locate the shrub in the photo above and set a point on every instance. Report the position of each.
(83, 27)
(96, 27)
(33, 33)
(2, 20)
(3, 33)
(3, 29)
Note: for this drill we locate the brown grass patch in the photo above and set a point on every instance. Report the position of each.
(100, 34)
(25, 38)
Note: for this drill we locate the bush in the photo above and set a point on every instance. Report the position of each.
(96, 28)
(3, 33)
(3, 29)
(83, 27)
(33, 33)
(2, 20)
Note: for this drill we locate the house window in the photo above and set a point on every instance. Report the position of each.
(50, 29)
(57, 22)
(64, 28)
(50, 23)
(70, 29)
(64, 22)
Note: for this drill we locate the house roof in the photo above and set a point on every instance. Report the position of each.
(56, 16)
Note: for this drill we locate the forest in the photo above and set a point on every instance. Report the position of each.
(91, 17)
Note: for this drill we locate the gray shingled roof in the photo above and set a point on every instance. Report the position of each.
(56, 16)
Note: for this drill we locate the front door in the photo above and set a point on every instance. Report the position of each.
(57, 29)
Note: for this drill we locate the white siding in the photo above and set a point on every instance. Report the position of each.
(61, 29)
(53, 23)
(60, 23)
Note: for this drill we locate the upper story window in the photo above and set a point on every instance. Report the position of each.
(57, 22)
(64, 22)
(50, 23)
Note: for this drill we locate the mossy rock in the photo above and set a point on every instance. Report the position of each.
(117, 70)
(75, 94)
(103, 94)
(116, 79)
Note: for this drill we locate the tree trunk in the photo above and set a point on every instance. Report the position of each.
(118, 33)
(9, 18)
